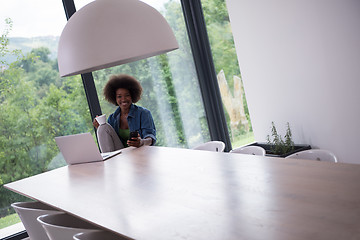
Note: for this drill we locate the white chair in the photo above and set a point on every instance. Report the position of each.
(98, 235)
(315, 154)
(253, 150)
(215, 146)
(28, 213)
(62, 226)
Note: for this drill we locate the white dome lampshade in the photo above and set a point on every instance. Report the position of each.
(106, 33)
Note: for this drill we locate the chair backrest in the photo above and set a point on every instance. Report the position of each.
(215, 146)
(315, 154)
(28, 213)
(253, 150)
(61, 226)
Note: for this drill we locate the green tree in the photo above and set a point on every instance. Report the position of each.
(221, 38)
(4, 42)
(36, 105)
(223, 51)
(42, 53)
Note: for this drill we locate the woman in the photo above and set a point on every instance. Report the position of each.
(123, 91)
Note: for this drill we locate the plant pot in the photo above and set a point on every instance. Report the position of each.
(269, 153)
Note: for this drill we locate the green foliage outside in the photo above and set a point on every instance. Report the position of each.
(9, 220)
(221, 38)
(37, 105)
(243, 139)
(225, 58)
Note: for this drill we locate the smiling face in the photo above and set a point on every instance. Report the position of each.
(123, 98)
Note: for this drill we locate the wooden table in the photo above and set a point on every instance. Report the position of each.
(167, 193)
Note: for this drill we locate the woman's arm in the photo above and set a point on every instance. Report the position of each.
(148, 127)
(142, 121)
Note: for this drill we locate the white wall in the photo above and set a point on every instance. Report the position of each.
(300, 63)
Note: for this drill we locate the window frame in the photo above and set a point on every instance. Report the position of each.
(200, 46)
(17, 236)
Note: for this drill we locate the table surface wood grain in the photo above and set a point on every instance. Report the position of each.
(170, 193)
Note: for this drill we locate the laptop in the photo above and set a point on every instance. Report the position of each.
(81, 148)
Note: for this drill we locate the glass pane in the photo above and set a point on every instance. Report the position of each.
(228, 72)
(170, 86)
(35, 103)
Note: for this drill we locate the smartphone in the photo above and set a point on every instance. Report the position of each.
(133, 134)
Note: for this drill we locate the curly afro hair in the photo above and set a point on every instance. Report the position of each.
(122, 81)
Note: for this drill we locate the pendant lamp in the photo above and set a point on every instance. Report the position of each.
(106, 33)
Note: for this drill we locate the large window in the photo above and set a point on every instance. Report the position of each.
(228, 72)
(170, 84)
(37, 105)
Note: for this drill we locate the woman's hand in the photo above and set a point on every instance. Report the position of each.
(95, 123)
(135, 141)
(138, 142)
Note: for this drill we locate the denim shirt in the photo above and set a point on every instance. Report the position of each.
(139, 119)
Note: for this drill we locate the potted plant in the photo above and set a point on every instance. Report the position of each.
(277, 146)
